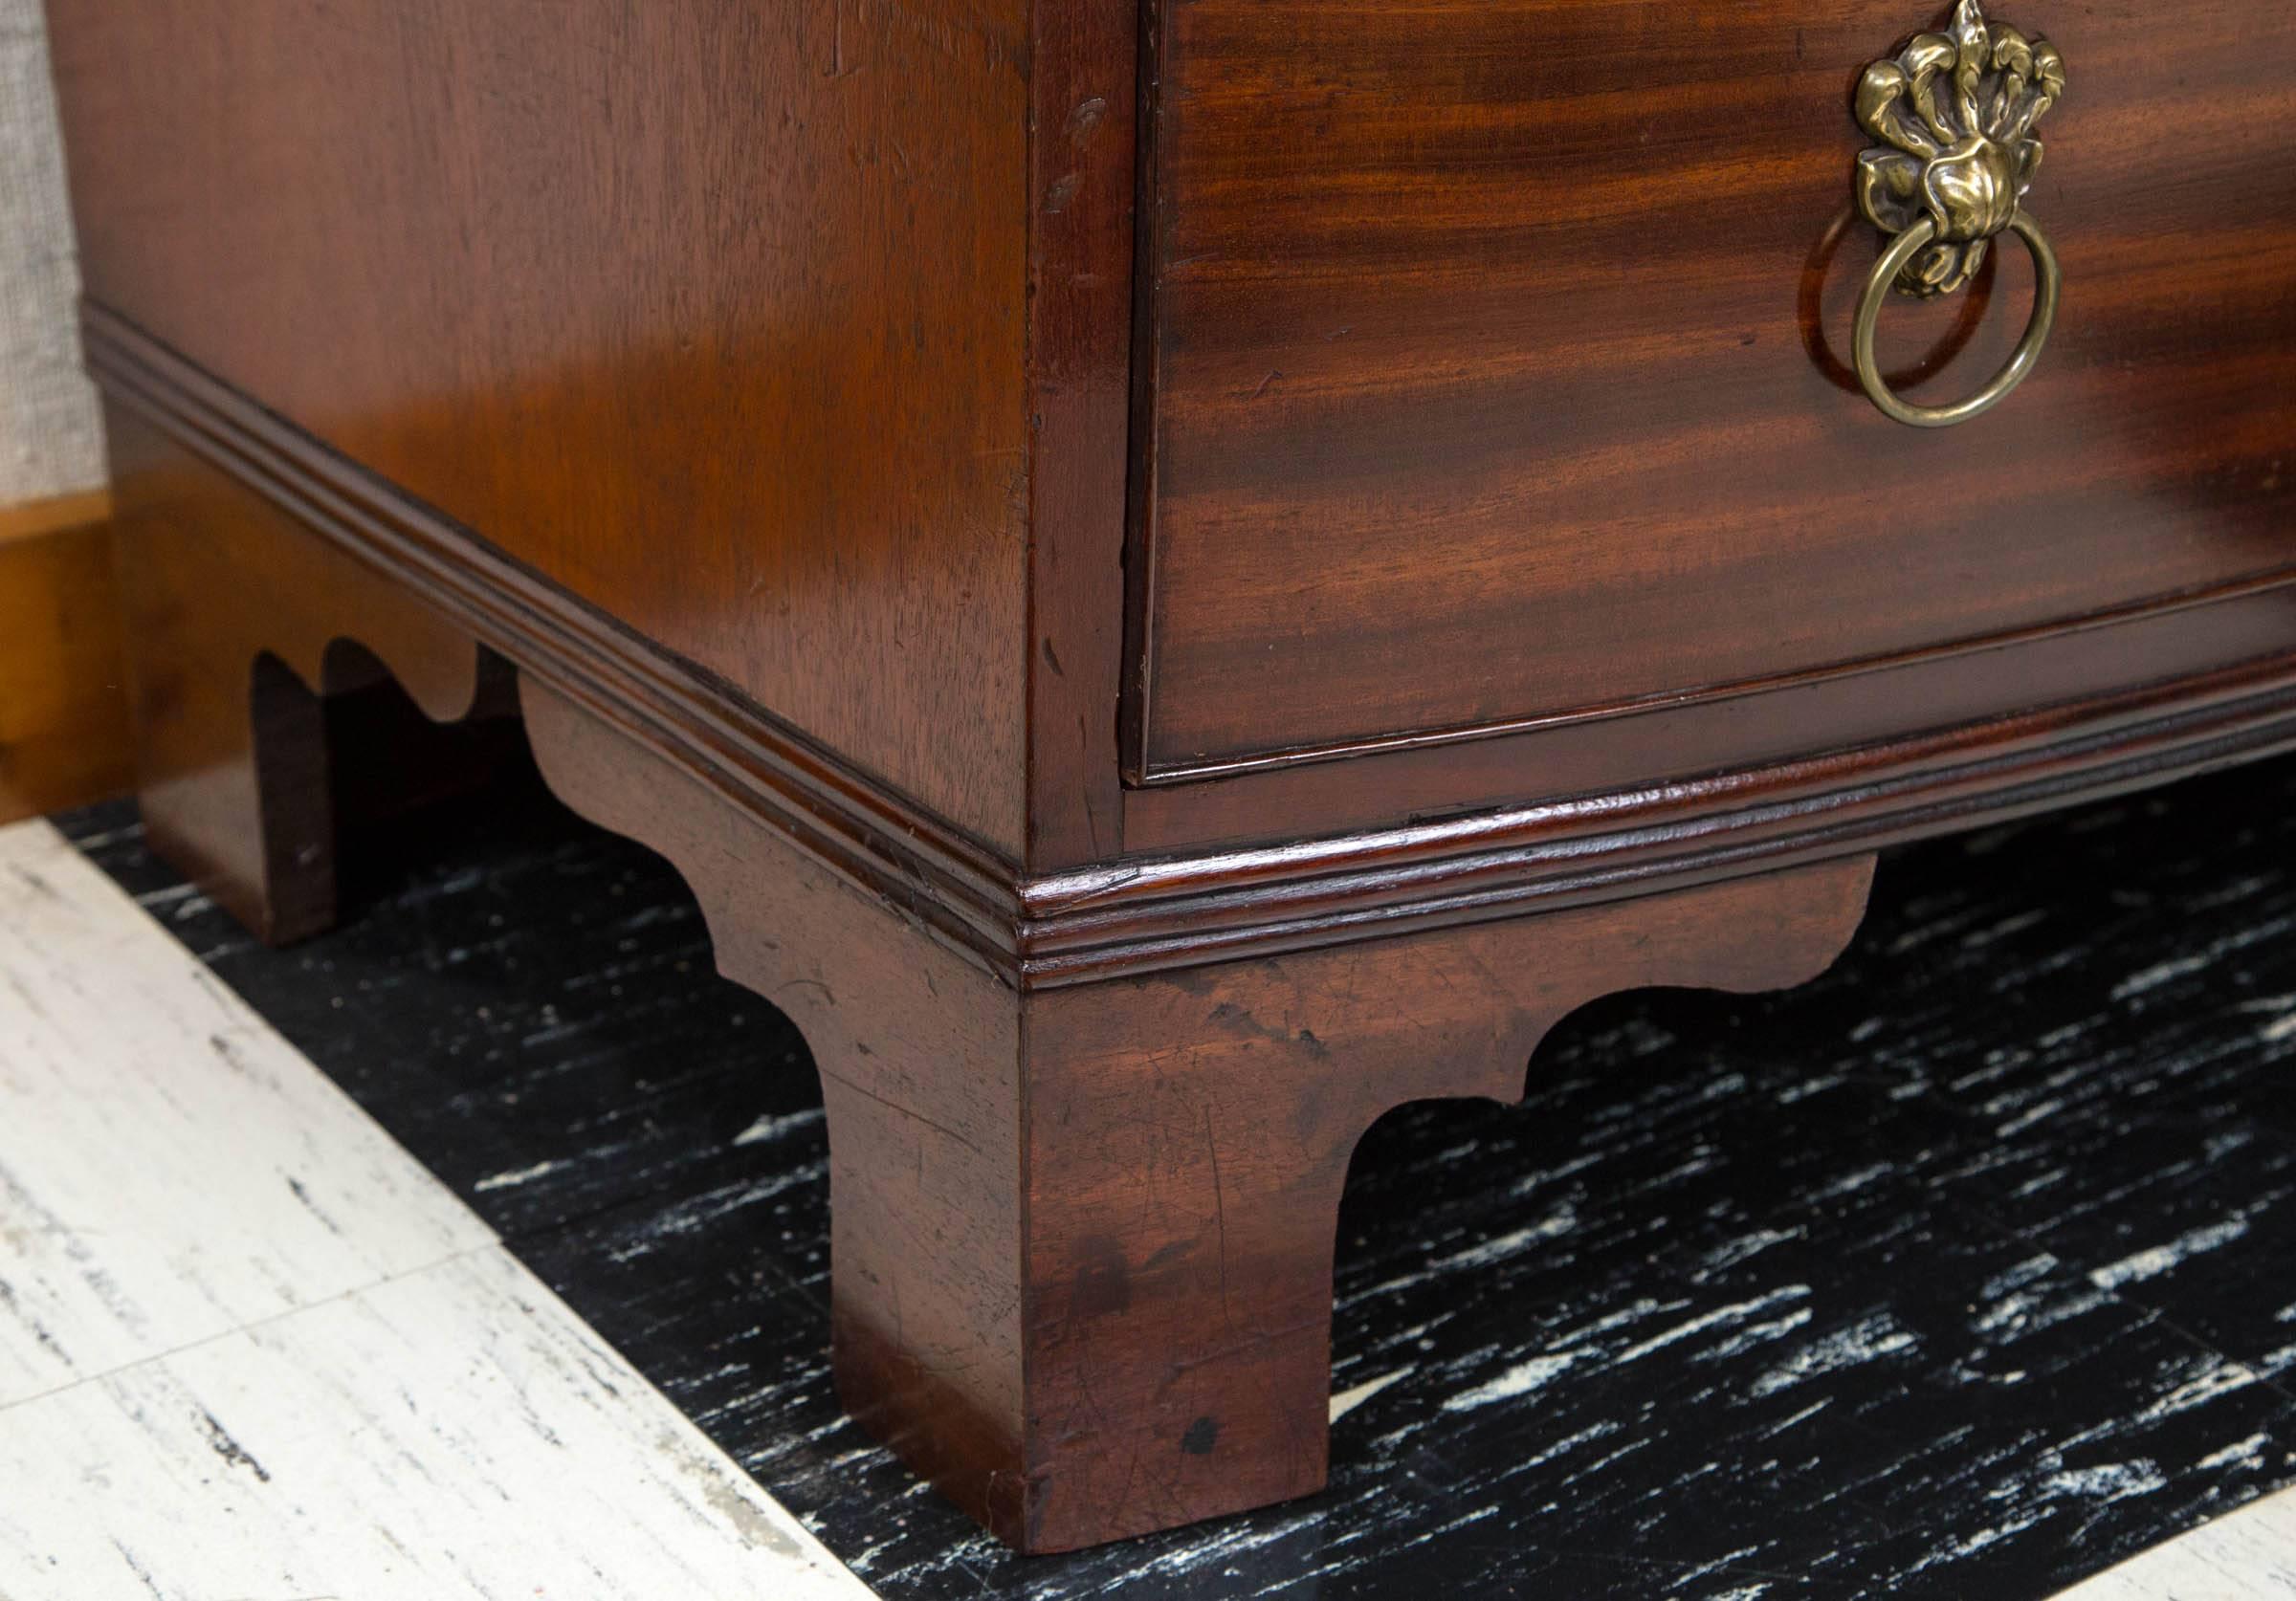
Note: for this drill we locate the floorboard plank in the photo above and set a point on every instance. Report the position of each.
(253, 1350)
(190, 1172)
(453, 1432)
(2248, 1555)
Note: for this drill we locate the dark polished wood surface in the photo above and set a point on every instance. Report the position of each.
(713, 313)
(1188, 1136)
(1498, 359)
(1844, 732)
(959, 665)
(302, 491)
(1080, 304)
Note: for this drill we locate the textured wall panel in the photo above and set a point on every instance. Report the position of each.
(51, 442)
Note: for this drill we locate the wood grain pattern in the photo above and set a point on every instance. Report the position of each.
(1856, 728)
(63, 709)
(1188, 1136)
(920, 1052)
(715, 315)
(1499, 862)
(835, 810)
(1498, 361)
(972, 1224)
(1081, 156)
(844, 802)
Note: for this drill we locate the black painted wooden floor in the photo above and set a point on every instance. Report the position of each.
(1963, 1272)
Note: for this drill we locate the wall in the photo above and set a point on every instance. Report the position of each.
(50, 441)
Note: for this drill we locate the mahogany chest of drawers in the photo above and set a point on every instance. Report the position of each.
(1178, 576)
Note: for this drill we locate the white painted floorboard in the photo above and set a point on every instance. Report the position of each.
(249, 1349)
(170, 1168)
(453, 1433)
(2248, 1555)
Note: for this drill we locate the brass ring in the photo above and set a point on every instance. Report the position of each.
(1909, 244)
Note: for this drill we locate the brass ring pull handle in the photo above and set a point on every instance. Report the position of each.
(1911, 244)
(1956, 114)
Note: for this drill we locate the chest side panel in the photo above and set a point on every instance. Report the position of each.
(713, 313)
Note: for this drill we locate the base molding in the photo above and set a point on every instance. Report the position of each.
(1133, 917)
(868, 832)
(1046, 930)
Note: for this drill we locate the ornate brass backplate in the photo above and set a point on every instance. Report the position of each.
(1956, 117)
(1955, 112)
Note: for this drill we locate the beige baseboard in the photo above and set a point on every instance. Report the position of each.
(64, 738)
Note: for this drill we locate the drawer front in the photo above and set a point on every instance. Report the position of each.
(1499, 366)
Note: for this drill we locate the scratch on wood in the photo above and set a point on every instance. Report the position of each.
(827, 993)
(1211, 1144)
(895, 1105)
